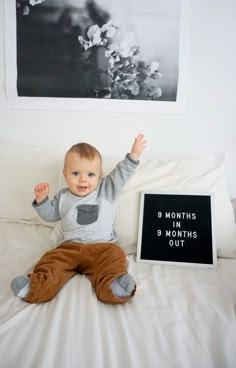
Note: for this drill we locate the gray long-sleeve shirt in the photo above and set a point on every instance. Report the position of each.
(88, 219)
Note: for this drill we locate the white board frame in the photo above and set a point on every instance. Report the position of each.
(140, 231)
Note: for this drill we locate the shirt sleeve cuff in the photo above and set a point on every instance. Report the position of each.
(135, 162)
(35, 204)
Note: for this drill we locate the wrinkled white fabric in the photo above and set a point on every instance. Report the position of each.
(180, 317)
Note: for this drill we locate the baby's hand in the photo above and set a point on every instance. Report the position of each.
(138, 147)
(41, 192)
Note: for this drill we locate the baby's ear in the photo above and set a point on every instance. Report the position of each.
(101, 174)
(64, 173)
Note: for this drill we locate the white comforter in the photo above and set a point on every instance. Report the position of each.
(180, 317)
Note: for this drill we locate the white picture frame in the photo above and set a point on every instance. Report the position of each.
(178, 68)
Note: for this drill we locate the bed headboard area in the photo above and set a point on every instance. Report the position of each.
(25, 165)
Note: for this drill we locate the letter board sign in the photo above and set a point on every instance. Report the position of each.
(177, 228)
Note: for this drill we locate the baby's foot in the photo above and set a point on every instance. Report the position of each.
(123, 286)
(21, 286)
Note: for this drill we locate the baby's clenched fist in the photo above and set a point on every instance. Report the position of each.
(41, 191)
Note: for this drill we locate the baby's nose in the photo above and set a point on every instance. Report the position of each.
(82, 178)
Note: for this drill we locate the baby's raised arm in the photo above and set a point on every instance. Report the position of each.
(41, 191)
(138, 147)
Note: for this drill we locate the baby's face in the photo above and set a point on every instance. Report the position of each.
(82, 175)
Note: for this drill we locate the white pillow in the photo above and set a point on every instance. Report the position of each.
(23, 166)
(201, 174)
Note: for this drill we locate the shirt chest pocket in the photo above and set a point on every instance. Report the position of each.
(87, 214)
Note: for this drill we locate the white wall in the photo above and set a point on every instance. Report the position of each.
(207, 125)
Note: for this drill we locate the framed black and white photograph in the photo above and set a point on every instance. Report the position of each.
(177, 228)
(113, 55)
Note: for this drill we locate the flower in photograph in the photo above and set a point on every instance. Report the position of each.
(130, 75)
(35, 2)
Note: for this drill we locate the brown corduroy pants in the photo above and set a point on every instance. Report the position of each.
(100, 262)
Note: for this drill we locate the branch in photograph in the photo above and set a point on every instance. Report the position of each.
(124, 73)
(24, 5)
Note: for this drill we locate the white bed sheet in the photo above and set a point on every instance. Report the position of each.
(180, 317)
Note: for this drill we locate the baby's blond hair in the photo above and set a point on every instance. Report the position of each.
(84, 150)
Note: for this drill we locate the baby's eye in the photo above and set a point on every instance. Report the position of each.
(75, 173)
(91, 174)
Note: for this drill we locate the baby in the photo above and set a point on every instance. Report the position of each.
(86, 211)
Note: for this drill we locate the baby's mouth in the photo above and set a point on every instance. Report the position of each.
(81, 188)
